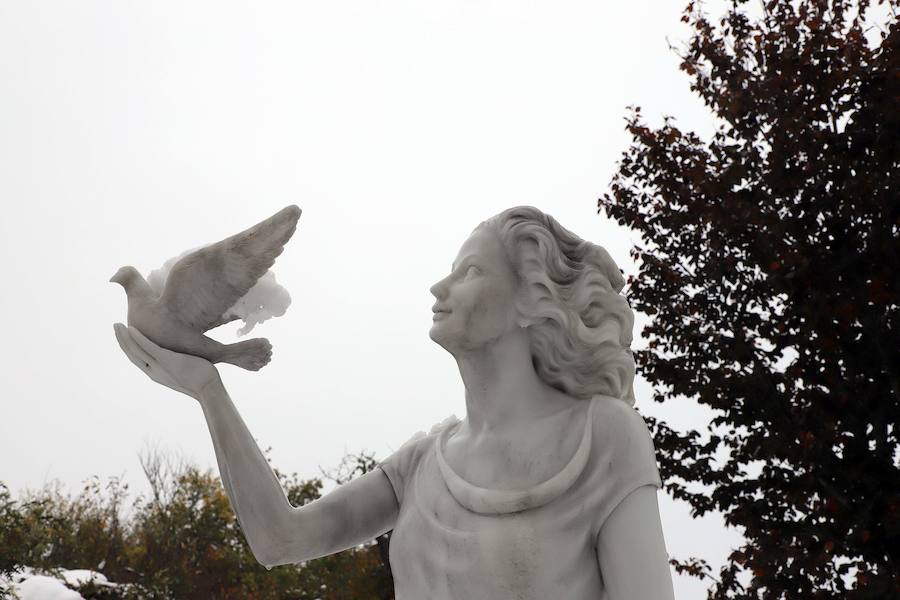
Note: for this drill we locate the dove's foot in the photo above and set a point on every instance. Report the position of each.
(252, 355)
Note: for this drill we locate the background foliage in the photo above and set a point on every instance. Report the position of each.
(768, 261)
(183, 541)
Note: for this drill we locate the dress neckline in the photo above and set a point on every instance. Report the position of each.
(493, 502)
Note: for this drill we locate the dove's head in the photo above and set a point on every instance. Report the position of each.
(126, 276)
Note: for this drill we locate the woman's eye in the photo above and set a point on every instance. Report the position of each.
(472, 270)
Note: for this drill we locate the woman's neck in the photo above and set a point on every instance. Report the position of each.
(502, 388)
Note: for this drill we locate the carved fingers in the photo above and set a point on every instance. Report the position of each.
(145, 355)
(132, 350)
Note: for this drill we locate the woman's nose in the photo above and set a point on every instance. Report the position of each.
(439, 289)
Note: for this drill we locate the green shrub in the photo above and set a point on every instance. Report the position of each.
(182, 541)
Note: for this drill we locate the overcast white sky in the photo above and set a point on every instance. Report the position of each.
(130, 131)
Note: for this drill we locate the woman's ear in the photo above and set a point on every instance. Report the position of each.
(523, 321)
(522, 306)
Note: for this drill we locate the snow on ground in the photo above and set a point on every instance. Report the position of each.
(41, 587)
(28, 585)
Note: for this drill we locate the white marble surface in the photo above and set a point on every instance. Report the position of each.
(533, 317)
(208, 287)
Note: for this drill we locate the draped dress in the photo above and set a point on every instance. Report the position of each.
(454, 540)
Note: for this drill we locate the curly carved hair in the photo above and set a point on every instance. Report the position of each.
(579, 324)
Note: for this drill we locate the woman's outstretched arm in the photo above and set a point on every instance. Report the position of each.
(277, 532)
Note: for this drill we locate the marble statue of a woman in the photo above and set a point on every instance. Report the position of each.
(545, 490)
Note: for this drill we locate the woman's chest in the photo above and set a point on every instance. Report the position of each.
(431, 511)
(441, 546)
(515, 462)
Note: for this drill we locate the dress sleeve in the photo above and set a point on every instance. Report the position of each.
(400, 465)
(626, 457)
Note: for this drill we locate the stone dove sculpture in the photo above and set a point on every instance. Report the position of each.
(202, 288)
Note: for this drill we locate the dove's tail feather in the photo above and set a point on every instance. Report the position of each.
(252, 355)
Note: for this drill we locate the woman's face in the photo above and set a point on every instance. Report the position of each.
(475, 303)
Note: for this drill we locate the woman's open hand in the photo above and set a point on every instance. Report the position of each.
(183, 373)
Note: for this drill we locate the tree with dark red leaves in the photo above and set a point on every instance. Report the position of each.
(768, 265)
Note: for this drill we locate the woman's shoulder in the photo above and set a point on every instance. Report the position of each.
(421, 437)
(614, 416)
(621, 436)
(622, 454)
(399, 465)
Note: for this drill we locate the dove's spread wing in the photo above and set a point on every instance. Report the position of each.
(207, 282)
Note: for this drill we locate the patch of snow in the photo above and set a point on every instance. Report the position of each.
(80, 577)
(25, 584)
(42, 587)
